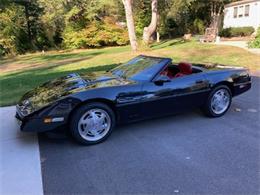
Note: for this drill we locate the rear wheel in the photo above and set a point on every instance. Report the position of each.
(218, 101)
(92, 123)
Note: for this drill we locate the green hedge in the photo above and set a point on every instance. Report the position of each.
(237, 31)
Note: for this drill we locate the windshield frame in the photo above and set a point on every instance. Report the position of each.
(155, 68)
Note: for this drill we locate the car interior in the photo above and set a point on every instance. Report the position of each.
(179, 70)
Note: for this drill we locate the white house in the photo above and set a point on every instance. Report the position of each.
(242, 13)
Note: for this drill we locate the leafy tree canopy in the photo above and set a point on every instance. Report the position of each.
(30, 25)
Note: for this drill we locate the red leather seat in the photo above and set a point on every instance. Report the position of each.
(168, 73)
(185, 69)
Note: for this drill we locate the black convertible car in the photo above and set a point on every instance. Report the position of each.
(145, 87)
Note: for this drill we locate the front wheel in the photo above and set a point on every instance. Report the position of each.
(218, 101)
(92, 123)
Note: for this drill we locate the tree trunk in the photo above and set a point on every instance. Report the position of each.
(130, 23)
(148, 31)
(28, 23)
(216, 10)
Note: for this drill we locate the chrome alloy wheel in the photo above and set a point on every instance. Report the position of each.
(94, 124)
(220, 101)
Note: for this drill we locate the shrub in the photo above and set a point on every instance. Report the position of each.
(7, 47)
(198, 26)
(237, 31)
(256, 42)
(225, 32)
(96, 34)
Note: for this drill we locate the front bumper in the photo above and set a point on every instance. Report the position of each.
(242, 87)
(31, 124)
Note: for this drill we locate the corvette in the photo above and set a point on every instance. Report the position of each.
(92, 104)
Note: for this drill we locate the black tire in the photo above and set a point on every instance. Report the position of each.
(207, 108)
(79, 113)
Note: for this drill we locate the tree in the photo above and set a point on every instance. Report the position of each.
(151, 29)
(9, 28)
(216, 9)
(142, 15)
(130, 23)
(93, 23)
(30, 25)
(32, 14)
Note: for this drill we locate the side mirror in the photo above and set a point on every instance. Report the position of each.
(162, 79)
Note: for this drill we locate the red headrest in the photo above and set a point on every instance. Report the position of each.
(185, 68)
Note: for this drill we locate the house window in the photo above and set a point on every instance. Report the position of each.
(235, 12)
(240, 11)
(247, 10)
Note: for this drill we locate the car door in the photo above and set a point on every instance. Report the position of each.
(175, 95)
(128, 103)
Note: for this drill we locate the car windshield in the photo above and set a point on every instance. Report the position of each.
(141, 68)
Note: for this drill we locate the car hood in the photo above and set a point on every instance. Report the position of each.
(54, 90)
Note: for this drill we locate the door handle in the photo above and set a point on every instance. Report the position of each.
(199, 81)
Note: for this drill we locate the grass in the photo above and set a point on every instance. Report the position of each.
(22, 73)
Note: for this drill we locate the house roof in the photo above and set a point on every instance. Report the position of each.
(241, 3)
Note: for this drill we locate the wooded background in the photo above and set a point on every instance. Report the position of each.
(36, 25)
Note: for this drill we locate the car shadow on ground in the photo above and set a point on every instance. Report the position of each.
(62, 135)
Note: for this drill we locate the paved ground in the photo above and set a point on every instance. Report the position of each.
(241, 44)
(20, 169)
(185, 154)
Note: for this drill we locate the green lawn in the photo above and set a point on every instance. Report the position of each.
(22, 73)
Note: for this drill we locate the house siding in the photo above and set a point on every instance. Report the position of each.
(252, 20)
